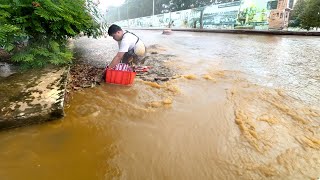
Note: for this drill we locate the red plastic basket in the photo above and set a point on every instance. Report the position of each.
(120, 77)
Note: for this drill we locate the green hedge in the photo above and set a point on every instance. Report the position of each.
(45, 26)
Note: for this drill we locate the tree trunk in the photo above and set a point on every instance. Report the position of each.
(201, 19)
(170, 20)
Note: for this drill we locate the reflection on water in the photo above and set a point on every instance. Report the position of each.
(226, 117)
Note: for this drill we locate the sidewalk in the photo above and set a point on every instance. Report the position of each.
(240, 31)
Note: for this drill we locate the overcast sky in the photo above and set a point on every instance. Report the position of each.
(104, 4)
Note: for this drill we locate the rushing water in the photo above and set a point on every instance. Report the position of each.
(245, 108)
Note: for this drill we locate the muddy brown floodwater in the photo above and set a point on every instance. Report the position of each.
(239, 107)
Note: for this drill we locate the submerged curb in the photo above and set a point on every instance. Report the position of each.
(33, 97)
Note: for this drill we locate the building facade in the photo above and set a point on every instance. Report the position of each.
(279, 17)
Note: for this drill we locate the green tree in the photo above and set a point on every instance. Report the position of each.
(45, 26)
(295, 15)
(310, 17)
(159, 6)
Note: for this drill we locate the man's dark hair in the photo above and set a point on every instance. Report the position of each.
(113, 29)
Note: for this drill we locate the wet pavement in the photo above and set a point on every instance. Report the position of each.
(238, 107)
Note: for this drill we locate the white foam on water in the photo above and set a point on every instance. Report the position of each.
(5, 70)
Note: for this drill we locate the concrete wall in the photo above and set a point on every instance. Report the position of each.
(245, 14)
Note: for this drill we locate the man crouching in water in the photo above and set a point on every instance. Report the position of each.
(131, 48)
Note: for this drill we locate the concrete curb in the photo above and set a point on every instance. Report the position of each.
(37, 97)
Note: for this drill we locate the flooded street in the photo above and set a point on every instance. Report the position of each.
(240, 107)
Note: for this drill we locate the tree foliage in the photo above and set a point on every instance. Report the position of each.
(306, 14)
(310, 17)
(45, 26)
(294, 18)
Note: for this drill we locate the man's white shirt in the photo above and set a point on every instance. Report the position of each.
(127, 43)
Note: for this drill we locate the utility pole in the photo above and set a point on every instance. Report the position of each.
(118, 14)
(152, 7)
(128, 13)
(152, 13)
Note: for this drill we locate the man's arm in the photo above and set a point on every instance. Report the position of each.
(116, 60)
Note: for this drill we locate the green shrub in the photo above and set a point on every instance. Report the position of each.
(306, 14)
(44, 26)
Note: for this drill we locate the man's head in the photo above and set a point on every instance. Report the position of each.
(116, 32)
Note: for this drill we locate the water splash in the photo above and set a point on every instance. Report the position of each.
(6, 70)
